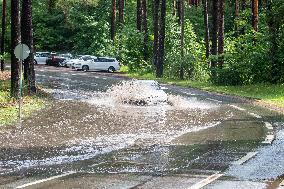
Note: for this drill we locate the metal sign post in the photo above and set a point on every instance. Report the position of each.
(21, 52)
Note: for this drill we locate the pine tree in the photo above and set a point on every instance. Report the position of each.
(145, 28)
(156, 9)
(255, 15)
(139, 15)
(27, 38)
(206, 26)
(161, 49)
(113, 20)
(181, 73)
(15, 40)
(3, 34)
(121, 12)
(221, 32)
(214, 33)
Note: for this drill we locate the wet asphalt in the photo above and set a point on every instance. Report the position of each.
(113, 145)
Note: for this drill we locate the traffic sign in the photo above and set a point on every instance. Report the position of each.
(22, 51)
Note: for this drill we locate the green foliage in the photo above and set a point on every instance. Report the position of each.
(193, 61)
(247, 60)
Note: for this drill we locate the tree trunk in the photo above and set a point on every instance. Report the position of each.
(273, 30)
(15, 40)
(206, 24)
(214, 33)
(255, 15)
(221, 32)
(175, 7)
(162, 31)
(237, 16)
(121, 12)
(27, 38)
(139, 15)
(145, 28)
(181, 73)
(156, 31)
(113, 20)
(3, 34)
(179, 11)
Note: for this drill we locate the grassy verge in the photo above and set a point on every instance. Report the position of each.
(9, 107)
(271, 94)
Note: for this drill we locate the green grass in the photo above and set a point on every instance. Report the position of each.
(268, 93)
(9, 106)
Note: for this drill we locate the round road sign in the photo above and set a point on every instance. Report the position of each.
(22, 51)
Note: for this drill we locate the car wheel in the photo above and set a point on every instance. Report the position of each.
(85, 68)
(111, 69)
(35, 62)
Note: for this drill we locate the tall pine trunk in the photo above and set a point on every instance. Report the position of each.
(273, 30)
(206, 26)
(15, 40)
(113, 20)
(221, 32)
(121, 12)
(237, 16)
(179, 11)
(156, 8)
(181, 73)
(174, 7)
(27, 38)
(139, 15)
(255, 15)
(145, 28)
(3, 34)
(162, 32)
(214, 34)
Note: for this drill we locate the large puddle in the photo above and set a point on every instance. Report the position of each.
(112, 126)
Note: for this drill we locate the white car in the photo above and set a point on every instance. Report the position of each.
(71, 62)
(41, 57)
(97, 63)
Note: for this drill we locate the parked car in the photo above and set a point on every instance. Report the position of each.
(57, 60)
(98, 63)
(69, 63)
(41, 57)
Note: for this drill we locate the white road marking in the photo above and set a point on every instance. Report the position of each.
(25, 186)
(238, 108)
(74, 74)
(268, 126)
(214, 100)
(269, 139)
(206, 181)
(255, 115)
(245, 158)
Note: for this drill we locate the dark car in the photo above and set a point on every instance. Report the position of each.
(57, 60)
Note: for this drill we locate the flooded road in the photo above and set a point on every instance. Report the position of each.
(90, 130)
